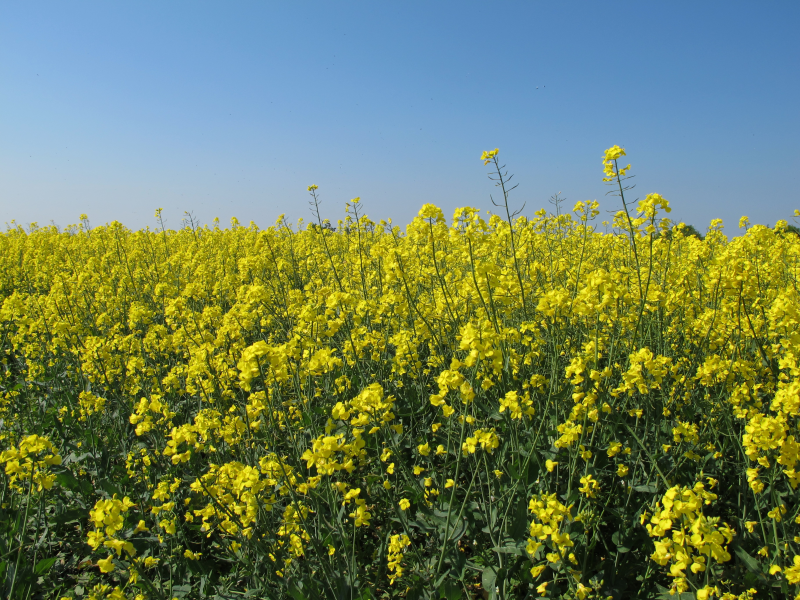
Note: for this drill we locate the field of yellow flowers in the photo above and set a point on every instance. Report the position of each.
(494, 407)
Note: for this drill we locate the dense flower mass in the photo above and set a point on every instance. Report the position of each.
(498, 406)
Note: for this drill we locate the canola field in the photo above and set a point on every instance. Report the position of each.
(492, 406)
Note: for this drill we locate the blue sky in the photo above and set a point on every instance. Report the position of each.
(234, 108)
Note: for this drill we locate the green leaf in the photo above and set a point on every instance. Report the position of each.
(510, 550)
(44, 565)
(420, 524)
(488, 578)
(72, 515)
(518, 526)
(364, 594)
(295, 592)
(645, 489)
(181, 591)
(621, 541)
(450, 590)
(458, 531)
(749, 562)
(108, 487)
(68, 480)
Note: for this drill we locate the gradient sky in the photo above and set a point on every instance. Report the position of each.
(233, 108)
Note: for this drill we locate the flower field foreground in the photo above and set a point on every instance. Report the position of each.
(498, 407)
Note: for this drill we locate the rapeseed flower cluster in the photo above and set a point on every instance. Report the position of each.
(107, 518)
(689, 539)
(30, 463)
(548, 529)
(397, 546)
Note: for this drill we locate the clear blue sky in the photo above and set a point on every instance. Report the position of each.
(233, 108)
